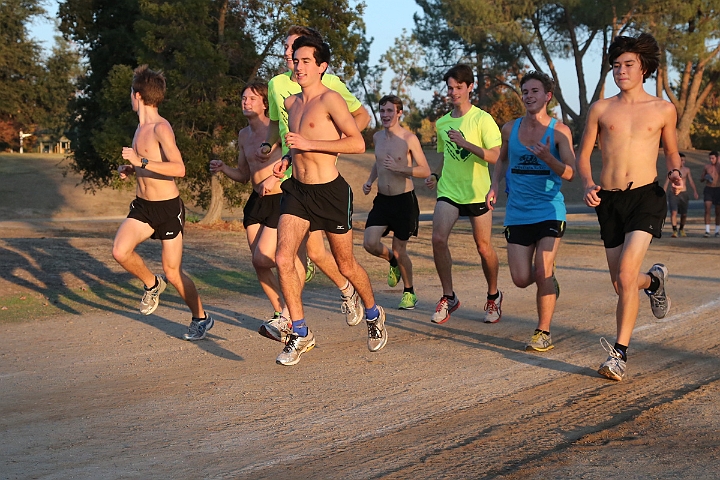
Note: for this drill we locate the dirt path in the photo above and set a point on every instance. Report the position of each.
(95, 390)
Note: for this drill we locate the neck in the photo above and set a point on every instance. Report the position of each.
(312, 91)
(147, 114)
(394, 130)
(462, 109)
(540, 118)
(633, 94)
(258, 121)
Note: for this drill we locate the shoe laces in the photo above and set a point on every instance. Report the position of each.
(194, 327)
(347, 305)
(291, 343)
(442, 304)
(610, 349)
(373, 329)
(491, 306)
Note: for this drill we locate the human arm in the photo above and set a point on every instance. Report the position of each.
(272, 141)
(419, 170)
(691, 182)
(670, 148)
(500, 168)
(172, 164)
(367, 186)
(125, 170)
(362, 118)
(432, 180)
(565, 165)
(490, 155)
(582, 158)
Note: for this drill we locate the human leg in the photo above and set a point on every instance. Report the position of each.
(482, 230)
(172, 265)
(291, 231)
(263, 258)
(132, 233)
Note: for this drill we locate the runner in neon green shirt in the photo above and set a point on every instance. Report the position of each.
(469, 139)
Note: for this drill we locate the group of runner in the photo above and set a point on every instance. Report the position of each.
(303, 119)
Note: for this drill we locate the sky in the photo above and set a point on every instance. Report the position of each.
(384, 21)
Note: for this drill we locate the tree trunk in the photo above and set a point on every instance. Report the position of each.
(214, 213)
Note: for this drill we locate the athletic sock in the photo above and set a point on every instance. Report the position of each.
(654, 284)
(494, 297)
(537, 330)
(409, 290)
(393, 261)
(674, 228)
(154, 285)
(623, 351)
(198, 319)
(299, 327)
(717, 228)
(348, 290)
(451, 298)
(707, 228)
(372, 313)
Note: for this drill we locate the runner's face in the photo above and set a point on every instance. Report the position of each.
(252, 103)
(627, 71)
(134, 100)
(534, 96)
(288, 51)
(307, 71)
(459, 93)
(713, 159)
(389, 115)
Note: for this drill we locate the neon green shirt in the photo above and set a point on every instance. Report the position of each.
(282, 86)
(465, 177)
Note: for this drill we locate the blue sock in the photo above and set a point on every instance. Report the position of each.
(300, 328)
(372, 313)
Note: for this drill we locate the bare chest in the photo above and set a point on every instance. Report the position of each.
(639, 123)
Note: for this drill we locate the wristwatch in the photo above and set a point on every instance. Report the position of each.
(144, 162)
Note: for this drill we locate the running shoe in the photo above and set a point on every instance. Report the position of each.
(352, 309)
(682, 233)
(377, 333)
(151, 298)
(493, 309)
(277, 328)
(659, 301)
(393, 275)
(444, 308)
(540, 342)
(309, 270)
(294, 347)
(408, 302)
(707, 234)
(614, 367)
(674, 234)
(199, 327)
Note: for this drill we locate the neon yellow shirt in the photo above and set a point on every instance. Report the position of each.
(465, 177)
(282, 86)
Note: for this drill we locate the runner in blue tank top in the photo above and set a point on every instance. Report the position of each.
(536, 156)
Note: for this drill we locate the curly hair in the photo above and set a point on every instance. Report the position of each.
(646, 48)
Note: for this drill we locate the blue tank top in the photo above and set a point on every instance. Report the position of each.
(533, 188)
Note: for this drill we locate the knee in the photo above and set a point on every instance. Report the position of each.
(120, 255)
(626, 281)
(485, 249)
(284, 260)
(439, 241)
(261, 261)
(521, 281)
(347, 268)
(174, 277)
(371, 247)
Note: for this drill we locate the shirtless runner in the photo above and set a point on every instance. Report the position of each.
(157, 212)
(678, 204)
(711, 193)
(398, 158)
(316, 197)
(630, 205)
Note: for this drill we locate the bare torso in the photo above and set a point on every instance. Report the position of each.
(248, 140)
(152, 186)
(629, 136)
(311, 119)
(388, 182)
(711, 170)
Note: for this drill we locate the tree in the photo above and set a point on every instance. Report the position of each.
(403, 58)
(367, 84)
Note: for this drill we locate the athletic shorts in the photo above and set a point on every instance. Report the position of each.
(166, 217)
(467, 209)
(625, 211)
(678, 203)
(399, 213)
(327, 206)
(712, 194)
(264, 210)
(530, 234)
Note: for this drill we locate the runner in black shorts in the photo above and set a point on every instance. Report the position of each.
(711, 193)
(263, 210)
(166, 217)
(327, 206)
(527, 235)
(621, 212)
(398, 159)
(467, 209)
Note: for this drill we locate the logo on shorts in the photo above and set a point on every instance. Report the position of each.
(340, 227)
(553, 230)
(169, 233)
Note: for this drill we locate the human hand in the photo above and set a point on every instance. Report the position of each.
(216, 166)
(268, 185)
(431, 182)
(296, 141)
(367, 186)
(280, 167)
(125, 170)
(457, 138)
(491, 198)
(129, 154)
(591, 198)
(542, 150)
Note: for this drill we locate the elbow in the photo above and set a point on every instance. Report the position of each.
(424, 172)
(358, 146)
(569, 174)
(181, 172)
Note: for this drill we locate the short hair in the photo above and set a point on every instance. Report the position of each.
(547, 82)
(261, 89)
(713, 153)
(645, 46)
(394, 99)
(461, 73)
(149, 84)
(682, 155)
(321, 49)
(303, 31)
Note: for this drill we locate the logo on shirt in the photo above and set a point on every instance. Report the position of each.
(457, 153)
(530, 165)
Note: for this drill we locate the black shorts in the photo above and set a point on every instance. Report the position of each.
(712, 194)
(530, 234)
(264, 210)
(467, 209)
(626, 211)
(399, 213)
(166, 217)
(678, 203)
(327, 206)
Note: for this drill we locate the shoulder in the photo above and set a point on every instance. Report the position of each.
(331, 96)
(244, 132)
(163, 128)
(508, 127)
(444, 119)
(330, 80)
(279, 79)
(378, 135)
(409, 136)
(562, 128)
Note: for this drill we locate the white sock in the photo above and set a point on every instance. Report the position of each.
(707, 228)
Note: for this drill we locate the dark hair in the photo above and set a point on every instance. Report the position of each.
(259, 88)
(547, 82)
(149, 84)
(394, 99)
(302, 31)
(682, 155)
(461, 73)
(714, 153)
(645, 46)
(322, 49)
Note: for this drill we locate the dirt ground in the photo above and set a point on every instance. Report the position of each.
(92, 389)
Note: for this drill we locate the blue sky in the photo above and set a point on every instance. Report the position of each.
(384, 20)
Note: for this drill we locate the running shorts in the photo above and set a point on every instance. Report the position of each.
(399, 213)
(530, 234)
(327, 206)
(166, 217)
(467, 209)
(625, 211)
(264, 210)
(712, 194)
(679, 203)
